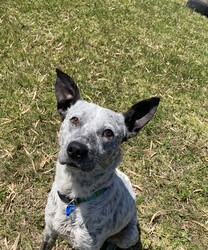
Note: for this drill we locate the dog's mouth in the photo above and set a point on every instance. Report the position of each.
(77, 166)
(69, 163)
(74, 165)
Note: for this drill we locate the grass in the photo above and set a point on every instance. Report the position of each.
(119, 52)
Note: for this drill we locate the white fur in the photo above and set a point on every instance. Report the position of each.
(97, 220)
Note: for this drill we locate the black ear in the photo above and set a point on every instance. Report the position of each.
(67, 92)
(139, 115)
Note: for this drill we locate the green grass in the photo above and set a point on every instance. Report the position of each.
(119, 52)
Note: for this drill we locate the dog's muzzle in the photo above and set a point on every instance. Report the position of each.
(77, 151)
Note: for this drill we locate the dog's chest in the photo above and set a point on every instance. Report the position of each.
(96, 220)
(86, 225)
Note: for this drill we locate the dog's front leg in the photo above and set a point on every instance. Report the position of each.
(128, 236)
(49, 239)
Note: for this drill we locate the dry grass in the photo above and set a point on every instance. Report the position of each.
(119, 52)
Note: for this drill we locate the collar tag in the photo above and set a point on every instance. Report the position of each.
(70, 208)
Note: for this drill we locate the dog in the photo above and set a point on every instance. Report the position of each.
(91, 203)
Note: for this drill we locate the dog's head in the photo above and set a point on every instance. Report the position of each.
(90, 136)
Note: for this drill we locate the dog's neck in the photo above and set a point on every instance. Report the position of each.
(76, 184)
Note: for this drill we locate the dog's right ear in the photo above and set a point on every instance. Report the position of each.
(66, 91)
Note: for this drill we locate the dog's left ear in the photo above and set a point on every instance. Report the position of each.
(67, 92)
(139, 115)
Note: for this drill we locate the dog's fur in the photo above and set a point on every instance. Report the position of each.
(90, 138)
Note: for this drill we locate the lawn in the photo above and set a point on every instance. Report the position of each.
(119, 52)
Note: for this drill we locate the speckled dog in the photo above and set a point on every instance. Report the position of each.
(91, 204)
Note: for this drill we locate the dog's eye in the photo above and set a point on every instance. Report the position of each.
(108, 133)
(74, 120)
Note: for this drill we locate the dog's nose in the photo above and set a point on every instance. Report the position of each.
(77, 150)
